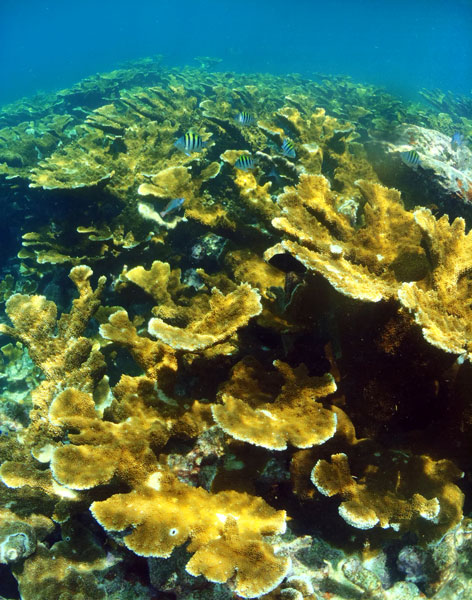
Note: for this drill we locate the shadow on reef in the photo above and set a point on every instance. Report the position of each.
(9, 585)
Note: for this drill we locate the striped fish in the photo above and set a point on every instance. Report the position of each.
(244, 163)
(244, 118)
(288, 149)
(190, 142)
(411, 158)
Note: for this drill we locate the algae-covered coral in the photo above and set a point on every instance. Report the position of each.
(263, 377)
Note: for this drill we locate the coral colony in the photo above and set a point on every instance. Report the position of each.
(257, 383)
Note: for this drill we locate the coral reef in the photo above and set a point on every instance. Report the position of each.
(225, 315)
(365, 263)
(224, 530)
(18, 541)
(445, 170)
(368, 501)
(262, 389)
(103, 449)
(248, 413)
(442, 309)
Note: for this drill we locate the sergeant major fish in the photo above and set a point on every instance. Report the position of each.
(190, 142)
(244, 163)
(244, 118)
(288, 149)
(172, 206)
(411, 158)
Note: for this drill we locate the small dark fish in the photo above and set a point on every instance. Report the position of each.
(275, 176)
(244, 118)
(288, 149)
(173, 205)
(244, 163)
(190, 142)
(457, 140)
(411, 158)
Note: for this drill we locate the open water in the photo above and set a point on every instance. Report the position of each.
(403, 45)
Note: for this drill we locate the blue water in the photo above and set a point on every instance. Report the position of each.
(403, 45)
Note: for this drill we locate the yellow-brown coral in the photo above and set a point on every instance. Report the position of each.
(57, 354)
(162, 283)
(102, 448)
(57, 573)
(226, 530)
(57, 346)
(156, 359)
(149, 396)
(102, 425)
(15, 474)
(443, 309)
(250, 413)
(387, 492)
(19, 535)
(178, 182)
(225, 316)
(364, 262)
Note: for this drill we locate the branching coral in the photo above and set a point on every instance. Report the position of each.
(385, 257)
(225, 316)
(202, 320)
(386, 493)
(326, 141)
(64, 354)
(23, 145)
(181, 181)
(53, 247)
(165, 287)
(26, 475)
(65, 357)
(157, 360)
(442, 309)
(97, 450)
(226, 530)
(366, 263)
(150, 397)
(250, 414)
(254, 195)
(101, 449)
(248, 266)
(57, 346)
(55, 573)
(110, 150)
(19, 536)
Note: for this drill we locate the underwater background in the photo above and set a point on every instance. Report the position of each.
(235, 300)
(402, 45)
